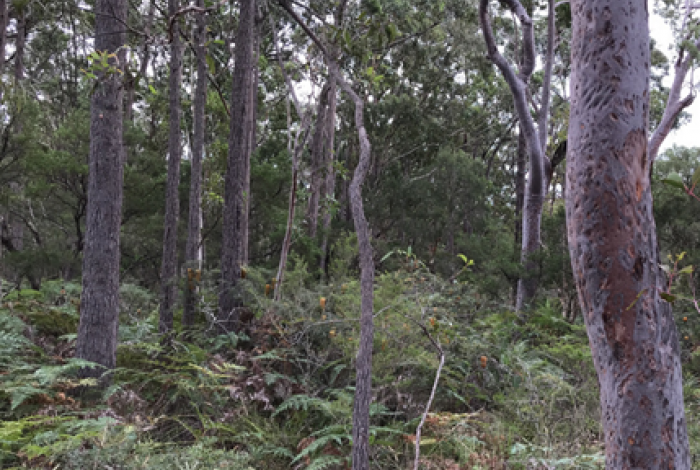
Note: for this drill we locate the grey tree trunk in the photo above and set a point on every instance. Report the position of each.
(612, 239)
(251, 118)
(536, 186)
(168, 268)
(193, 249)
(238, 153)
(318, 145)
(329, 185)
(99, 303)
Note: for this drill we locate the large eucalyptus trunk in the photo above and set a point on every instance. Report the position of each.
(612, 239)
(193, 249)
(168, 268)
(99, 303)
(329, 185)
(238, 154)
(318, 145)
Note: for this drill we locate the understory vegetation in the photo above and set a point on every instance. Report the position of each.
(512, 394)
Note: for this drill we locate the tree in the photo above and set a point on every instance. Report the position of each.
(239, 149)
(99, 303)
(535, 136)
(168, 270)
(193, 249)
(612, 239)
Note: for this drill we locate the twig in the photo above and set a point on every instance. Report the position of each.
(441, 354)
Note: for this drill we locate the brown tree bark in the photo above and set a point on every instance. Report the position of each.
(238, 153)
(193, 249)
(168, 268)
(99, 303)
(612, 239)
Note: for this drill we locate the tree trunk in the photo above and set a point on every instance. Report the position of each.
(238, 154)
(520, 172)
(329, 186)
(193, 250)
(168, 269)
(536, 187)
(250, 126)
(99, 303)
(318, 144)
(612, 239)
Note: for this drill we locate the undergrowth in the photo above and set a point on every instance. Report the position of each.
(279, 394)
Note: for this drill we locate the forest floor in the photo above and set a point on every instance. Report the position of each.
(279, 395)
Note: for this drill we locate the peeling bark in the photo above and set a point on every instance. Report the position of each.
(612, 239)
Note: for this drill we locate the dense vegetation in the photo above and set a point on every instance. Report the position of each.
(444, 201)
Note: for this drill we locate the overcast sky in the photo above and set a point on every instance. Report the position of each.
(688, 134)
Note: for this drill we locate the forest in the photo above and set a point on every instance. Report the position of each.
(348, 234)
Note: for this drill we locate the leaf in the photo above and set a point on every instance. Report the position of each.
(641, 293)
(675, 180)
(386, 256)
(686, 270)
(696, 177)
(670, 298)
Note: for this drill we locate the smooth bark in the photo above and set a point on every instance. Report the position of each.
(612, 239)
(193, 249)
(536, 186)
(329, 185)
(238, 153)
(168, 268)
(318, 144)
(99, 303)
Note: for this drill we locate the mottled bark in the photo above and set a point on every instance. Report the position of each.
(520, 172)
(193, 249)
(99, 303)
(612, 239)
(168, 267)
(238, 153)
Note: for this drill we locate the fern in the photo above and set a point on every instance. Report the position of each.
(326, 461)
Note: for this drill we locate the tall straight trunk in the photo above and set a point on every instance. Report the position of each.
(318, 144)
(144, 61)
(193, 250)
(520, 172)
(612, 239)
(168, 268)
(99, 303)
(329, 185)
(238, 154)
(250, 126)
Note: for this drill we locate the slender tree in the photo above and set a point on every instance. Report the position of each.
(533, 134)
(168, 269)
(193, 249)
(238, 154)
(363, 362)
(612, 239)
(99, 303)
